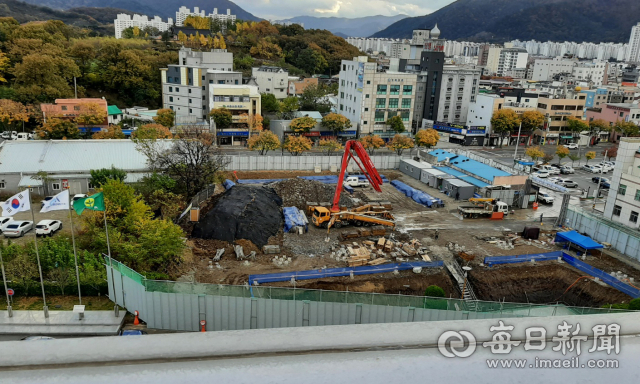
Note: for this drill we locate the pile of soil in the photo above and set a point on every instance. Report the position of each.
(242, 212)
(297, 192)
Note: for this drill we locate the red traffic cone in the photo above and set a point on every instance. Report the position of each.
(203, 323)
(136, 321)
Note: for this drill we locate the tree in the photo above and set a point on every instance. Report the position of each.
(548, 157)
(56, 129)
(43, 77)
(427, 138)
(4, 65)
(198, 22)
(287, 107)
(562, 152)
(297, 144)
(152, 132)
(434, 291)
(302, 124)
(268, 101)
(399, 143)
(504, 121)
(44, 178)
(626, 128)
(193, 161)
(165, 117)
(91, 114)
(22, 270)
(61, 277)
(313, 98)
(264, 142)
(11, 114)
(371, 143)
(253, 123)
(610, 153)
(634, 304)
(266, 49)
(590, 156)
(101, 176)
(576, 125)
(336, 122)
(598, 125)
(396, 123)
(534, 153)
(573, 159)
(112, 133)
(222, 117)
(329, 146)
(311, 61)
(531, 120)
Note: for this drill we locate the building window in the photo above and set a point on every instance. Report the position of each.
(616, 210)
(634, 217)
(368, 82)
(55, 186)
(341, 107)
(637, 198)
(366, 96)
(170, 89)
(170, 98)
(381, 103)
(404, 115)
(2, 185)
(76, 107)
(364, 122)
(177, 89)
(189, 101)
(220, 81)
(395, 90)
(64, 107)
(406, 103)
(407, 89)
(203, 87)
(190, 111)
(393, 103)
(342, 95)
(366, 109)
(622, 189)
(382, 89)
(203, 97)
(189, 90)
(379, 116)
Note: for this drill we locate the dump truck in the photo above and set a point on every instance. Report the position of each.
(361, 216)
(485, 210)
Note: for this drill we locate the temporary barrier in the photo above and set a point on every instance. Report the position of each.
(228, 184)
(335, 272)
(293, 218)
(495, 260)
(418, 196)
(333, 179)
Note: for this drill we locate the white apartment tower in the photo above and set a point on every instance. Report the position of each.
(124, 21)
(633, 54)
(512, 59)
(183, 12)
(458, 89)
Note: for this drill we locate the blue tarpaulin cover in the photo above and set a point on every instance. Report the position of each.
(228, 184)
(577, 239)
(258, 181)
(418, 196)
(293, 218)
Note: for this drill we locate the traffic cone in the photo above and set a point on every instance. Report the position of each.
(203, 323)
(136, 321)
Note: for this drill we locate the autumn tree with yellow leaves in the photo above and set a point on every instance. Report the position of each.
(12, 113)
(399, 143)
(371, 143)
(296, 145)
(427, 138)
(264, 142)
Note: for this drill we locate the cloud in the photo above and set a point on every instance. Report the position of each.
(335, 9)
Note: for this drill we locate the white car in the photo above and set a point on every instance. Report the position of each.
(48, 227)
(541, 174)
(553, 171)
(554, 179)
(567, 183)
(17, 228)
(572, 146)
(605, 167)
(566, 169)
(79, 196)
(592, 168)
(545, 198)
(4, 221)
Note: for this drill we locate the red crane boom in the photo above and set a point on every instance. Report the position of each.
(353, 149)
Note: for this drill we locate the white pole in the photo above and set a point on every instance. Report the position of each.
(515, 154)
(75, 254)
(595, 198)
(35, 235)
(6, 289)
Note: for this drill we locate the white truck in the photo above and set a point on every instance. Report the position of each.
(484, 211)
(355, 182)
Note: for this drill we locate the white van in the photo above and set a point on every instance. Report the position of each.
(23, 136)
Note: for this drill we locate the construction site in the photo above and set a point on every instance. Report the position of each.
(394, 234)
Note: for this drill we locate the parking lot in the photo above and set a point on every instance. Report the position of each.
(53, 215)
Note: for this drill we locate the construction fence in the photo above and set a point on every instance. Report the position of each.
(181, 306)
(623, 239)
(304, 163)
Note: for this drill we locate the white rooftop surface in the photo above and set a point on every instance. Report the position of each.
(371, 353)
(60, 323)
(70, 156)
(417, 164)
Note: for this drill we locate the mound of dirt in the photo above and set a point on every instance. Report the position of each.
(243, 212)
(297, 192)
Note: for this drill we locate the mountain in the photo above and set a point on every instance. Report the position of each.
(543, 20)
(25, 12)
(162, 8)
(344, 27)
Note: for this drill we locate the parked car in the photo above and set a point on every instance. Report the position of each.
(605, 167)
(554, 179)
(572, 146)
(48, 227)
(45, 200)
(4, 221)
(355, 181)
(541, 174)
(567, 183)
(605, 185)
(556, 165)
(567, 169)
(23, 136)
(17, 228)
(79, 196)
(592, 168)
(6, 135)
(553, 171)
(132, 332)
(596, 179)
(545, 198)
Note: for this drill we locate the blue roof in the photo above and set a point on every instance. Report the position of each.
(577, 239)
(464, 177)
(466, 164)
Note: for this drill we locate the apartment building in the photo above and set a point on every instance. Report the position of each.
(185, 86)
(633, 53)
(183, 12)
(623, 200)
(369, 98)
(594, 72)
(458, 89)
(511, 60)
(243, 101)
(271, 80)
(546, 69)
(559, 111)
(124, 21)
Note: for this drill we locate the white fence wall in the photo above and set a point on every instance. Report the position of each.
(303, 163)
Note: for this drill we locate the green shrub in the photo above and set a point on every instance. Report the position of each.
(634, 305)
(434, 291)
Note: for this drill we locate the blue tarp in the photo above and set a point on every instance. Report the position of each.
(228, 184)
(418, 196)
(329, 179)
(293, 218)
(334, 272)
(574, 237)
(258, 181)
(493, 260)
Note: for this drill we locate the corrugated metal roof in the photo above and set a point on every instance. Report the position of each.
(459, 183)
(462, 176)
(416, 164)
(472, 166)
(71, 156)
(28, 181)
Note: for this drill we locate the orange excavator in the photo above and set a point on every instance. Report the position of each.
(361, 216)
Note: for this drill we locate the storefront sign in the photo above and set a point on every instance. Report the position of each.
(233, 133)
(233, 106)
(444, 128)
(311, 134)
(475, 132)
(456, 136)
(347, 133)
(552, 135)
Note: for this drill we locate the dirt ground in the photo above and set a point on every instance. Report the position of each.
(541, 283)
(60, 303)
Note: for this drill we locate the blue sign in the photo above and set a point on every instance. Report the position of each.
(446, 128)
(233, 133)
(347, 133)
(475, 131)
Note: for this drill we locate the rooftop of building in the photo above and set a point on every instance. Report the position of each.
(466, 164)
(266, 68)
(624, 105)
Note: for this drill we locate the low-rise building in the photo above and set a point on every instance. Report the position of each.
(244, 102)
(612, 113)
(70, 109)
(272, 80)
(114, 114)
(623, 200)
(297, 87)
(558, 112)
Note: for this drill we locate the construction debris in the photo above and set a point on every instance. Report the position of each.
(219, 253)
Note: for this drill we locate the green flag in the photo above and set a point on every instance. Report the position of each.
(93, 202)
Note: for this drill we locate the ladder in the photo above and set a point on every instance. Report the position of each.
(466, 290)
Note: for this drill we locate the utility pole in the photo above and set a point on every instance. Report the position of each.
(515, 154)
(75, 87)
(595, 198)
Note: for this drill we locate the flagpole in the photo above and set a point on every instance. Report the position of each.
(35, 234)
(6, 289)
(75, 254)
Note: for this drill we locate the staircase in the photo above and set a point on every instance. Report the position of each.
(464, 286)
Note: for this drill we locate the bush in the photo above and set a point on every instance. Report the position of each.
(634, 305)
(434, 291)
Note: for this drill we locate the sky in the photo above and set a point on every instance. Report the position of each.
(284, 9)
